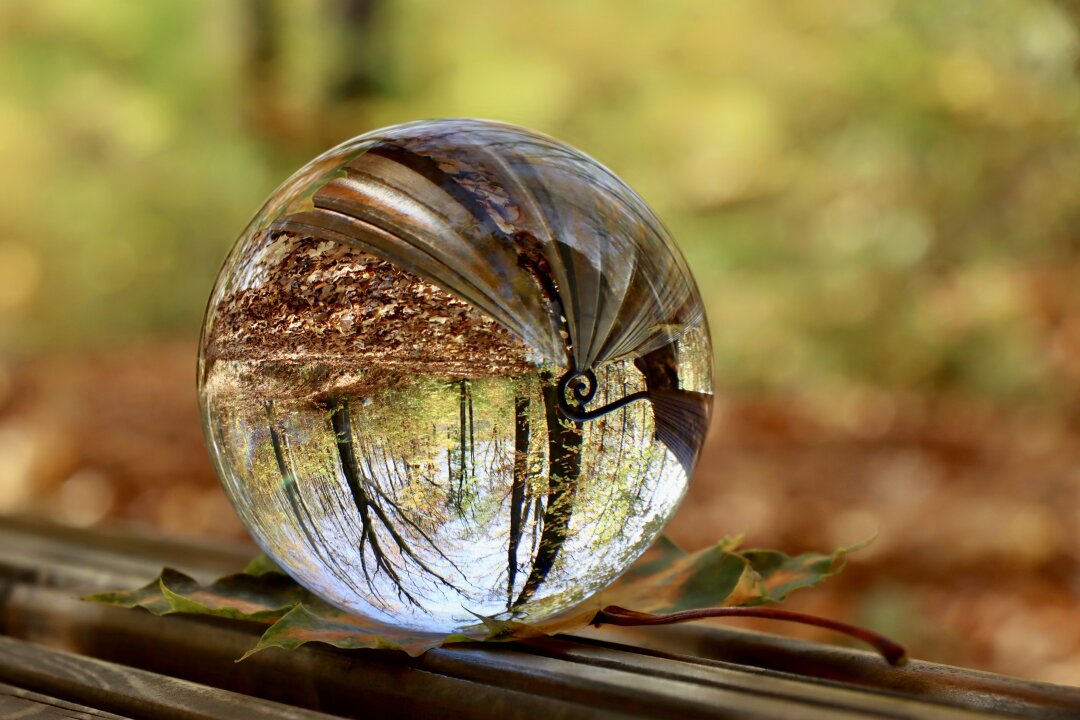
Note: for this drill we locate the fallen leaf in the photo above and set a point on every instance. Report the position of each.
(665, 580)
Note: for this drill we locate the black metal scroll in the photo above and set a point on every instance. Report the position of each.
(582, 384)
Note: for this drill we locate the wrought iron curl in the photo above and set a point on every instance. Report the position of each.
(582, 385)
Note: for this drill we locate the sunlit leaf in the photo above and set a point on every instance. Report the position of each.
(778, 575)
(668, 579)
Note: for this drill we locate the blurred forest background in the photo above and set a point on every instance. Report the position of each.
(880, 200)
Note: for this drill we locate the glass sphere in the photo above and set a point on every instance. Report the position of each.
(454, 367)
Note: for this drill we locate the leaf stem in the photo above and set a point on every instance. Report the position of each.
(893, 652)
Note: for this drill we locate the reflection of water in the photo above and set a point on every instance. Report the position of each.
(416, 499)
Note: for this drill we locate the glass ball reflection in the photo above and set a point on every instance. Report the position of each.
(454, 367)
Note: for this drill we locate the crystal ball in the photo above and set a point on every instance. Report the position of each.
(454, 367)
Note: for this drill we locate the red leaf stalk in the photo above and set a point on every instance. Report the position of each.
(893, 652)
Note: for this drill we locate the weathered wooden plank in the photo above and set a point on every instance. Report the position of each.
(65, 557)
(19, 704)
(688, 671)
(466, 681)
(125, 690)
(124, 545)
(824, 664)
(718, 674)
(204, 651)
(442, 680)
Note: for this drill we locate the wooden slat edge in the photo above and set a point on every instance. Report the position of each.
(129, 691)
(813, 662)
(20, 703)
(742, 651)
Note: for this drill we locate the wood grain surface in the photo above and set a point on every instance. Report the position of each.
(19, 704)
(684, 672)
(129, 691)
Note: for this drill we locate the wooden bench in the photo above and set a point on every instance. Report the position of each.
(61, 657)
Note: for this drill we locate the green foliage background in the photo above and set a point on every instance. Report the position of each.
(872, 193)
